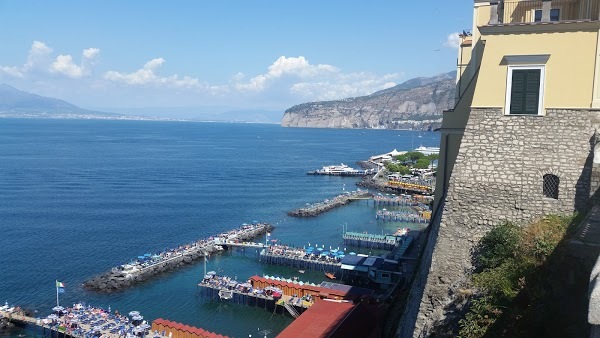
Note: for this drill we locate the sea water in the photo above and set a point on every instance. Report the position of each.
(78, 197)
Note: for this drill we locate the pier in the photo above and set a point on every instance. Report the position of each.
(149, 265)
(364, 240)
(402, 216)
(268, 297)
(321, 207)
(305, 259)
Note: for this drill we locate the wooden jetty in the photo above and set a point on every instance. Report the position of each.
(385, 242)
(321, 207)
(148, 266)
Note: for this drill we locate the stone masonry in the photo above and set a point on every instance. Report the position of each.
(498, 176)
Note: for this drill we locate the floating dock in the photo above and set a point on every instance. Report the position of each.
(321, 207)
(148, 265)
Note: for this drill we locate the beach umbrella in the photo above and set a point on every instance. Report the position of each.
(352, 253)
(342, 256)
(58, 308)
(134, 313)
(52, 317)
(136, 318)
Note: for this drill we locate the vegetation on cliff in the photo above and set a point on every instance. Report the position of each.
(524, 281)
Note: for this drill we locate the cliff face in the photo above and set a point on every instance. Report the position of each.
(414, 104)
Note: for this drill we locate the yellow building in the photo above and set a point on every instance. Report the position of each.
(552, 45)
(522, 141)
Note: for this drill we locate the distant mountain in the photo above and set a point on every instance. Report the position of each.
(17, 103)
(415, 104)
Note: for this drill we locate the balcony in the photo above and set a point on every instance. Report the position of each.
(543, 11)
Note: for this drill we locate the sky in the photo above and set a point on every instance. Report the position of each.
(271, 55)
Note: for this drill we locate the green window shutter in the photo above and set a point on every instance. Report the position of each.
(525, 91)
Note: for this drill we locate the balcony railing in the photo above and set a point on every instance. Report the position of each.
(515, 11)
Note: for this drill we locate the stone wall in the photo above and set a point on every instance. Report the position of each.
(498, 176)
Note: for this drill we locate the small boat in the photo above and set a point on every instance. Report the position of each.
(329, 275)
(225, 294)
(301, 271)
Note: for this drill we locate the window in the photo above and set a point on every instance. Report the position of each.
(551, 183)
(524, 90)
(554, 15)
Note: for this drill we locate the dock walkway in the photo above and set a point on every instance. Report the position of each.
(321, 207)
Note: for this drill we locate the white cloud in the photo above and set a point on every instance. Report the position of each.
(91, 53)
(302, 80)
(147, 76)
(452, 41)
(12, 71)
(40, 62)
(64, 64)
(295, 66)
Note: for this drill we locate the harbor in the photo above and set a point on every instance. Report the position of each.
(315, 209)
(149, 265)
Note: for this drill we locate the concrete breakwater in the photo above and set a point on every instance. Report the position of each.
(321, 207)
(148, 265)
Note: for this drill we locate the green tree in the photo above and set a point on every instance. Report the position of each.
(433, 157)
(422, 163)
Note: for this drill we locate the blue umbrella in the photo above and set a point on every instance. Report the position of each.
(352, 253)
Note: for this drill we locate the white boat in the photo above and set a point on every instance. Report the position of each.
(428, 150)
(225, 294)
(342, 170)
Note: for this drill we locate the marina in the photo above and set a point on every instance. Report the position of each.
(315, 209)
(149, 265)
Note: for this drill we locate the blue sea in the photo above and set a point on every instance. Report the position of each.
(78, 197)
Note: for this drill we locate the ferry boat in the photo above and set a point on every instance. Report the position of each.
(341, 170)
(428, 150)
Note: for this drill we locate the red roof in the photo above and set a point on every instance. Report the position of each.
(320, 320)
(182, 327)
(334, 319)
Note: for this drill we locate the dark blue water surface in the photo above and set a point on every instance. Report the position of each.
(78, 197)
